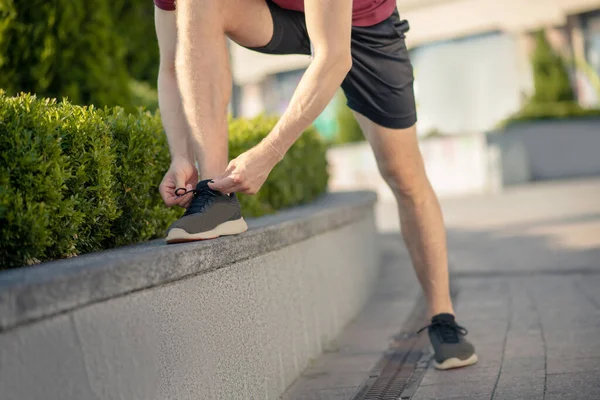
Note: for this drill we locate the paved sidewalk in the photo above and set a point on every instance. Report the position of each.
(525, 268)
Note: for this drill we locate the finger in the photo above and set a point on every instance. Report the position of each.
(167, 195)
(223, 185)
(237, 189)
(186, 203)
(180, 180)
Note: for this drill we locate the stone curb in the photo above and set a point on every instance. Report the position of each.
(44, 290)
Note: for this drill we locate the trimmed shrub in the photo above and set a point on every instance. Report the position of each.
(299, 178)
(56, 175)
(63, 49)
(550, 111)
(77, 179)
(143, 158)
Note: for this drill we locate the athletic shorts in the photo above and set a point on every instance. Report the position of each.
(380, 83)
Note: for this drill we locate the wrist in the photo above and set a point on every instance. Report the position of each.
(272, 149)
(181, 157)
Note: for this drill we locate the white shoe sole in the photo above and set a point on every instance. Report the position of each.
(456, 363)
(178, 235)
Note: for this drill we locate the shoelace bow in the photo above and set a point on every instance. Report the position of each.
(202, 198)
(449, 330)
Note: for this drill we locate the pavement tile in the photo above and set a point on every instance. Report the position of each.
(472, 397)
(332, 379)
(344, 363)
(322, 394)
(519, 386)
(452, 390)
(563, 366)
(577, 386)
(574, 350)
(524, 365)
(488, 356)
(563, 309)
(520, 394)
(474, 373)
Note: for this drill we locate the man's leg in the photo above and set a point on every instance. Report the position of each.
(204, 74)
(401, 165)
(400, 162)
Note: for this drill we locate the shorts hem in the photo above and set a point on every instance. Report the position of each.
(270, 47)
(165, 5)
(384, 120)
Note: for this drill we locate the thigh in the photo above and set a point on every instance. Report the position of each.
(380, 83)
(247, 22)
(289, 33)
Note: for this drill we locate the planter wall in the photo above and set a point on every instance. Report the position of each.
(552, 149)
(456, 165)
(231, 318)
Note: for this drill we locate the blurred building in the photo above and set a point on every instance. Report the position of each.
(471, 60)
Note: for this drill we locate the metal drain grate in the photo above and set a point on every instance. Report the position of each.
(401, 369)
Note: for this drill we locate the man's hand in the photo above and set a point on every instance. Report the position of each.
(247, 173)
(181, 174)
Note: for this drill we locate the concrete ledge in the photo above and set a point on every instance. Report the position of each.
(236, 317)
(40, 291)
(548, 150)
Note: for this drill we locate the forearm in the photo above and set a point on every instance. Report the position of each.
(173, 118)
(314, 92)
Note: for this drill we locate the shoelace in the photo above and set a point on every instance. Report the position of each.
(448, 330)
(203, 197)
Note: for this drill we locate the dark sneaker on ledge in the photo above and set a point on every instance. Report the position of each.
(451, 348)
(211, 214)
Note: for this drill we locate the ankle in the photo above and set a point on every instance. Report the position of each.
(433, 311)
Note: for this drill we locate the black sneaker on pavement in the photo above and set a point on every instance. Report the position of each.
(211, 214)
(451, 348)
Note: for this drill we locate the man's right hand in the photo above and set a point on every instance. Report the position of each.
(181, 174)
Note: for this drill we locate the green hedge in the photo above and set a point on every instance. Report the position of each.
(63, 49)
(552, 111)
(78, 179)
(300, 177)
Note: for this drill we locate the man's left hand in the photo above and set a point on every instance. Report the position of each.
(247, 173)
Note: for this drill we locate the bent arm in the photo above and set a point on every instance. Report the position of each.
(169, 99)
(329, 25)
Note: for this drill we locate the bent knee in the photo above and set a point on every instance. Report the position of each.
(409, 183)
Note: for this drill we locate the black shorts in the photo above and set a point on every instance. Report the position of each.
(380, 83)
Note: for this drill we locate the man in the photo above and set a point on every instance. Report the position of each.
(356, 44)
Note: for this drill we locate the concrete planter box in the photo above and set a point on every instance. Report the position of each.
(550, 149)
(231, 318)
(456, 165)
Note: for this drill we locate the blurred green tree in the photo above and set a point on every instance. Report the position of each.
(134, 22)
(550, 74)
(63, 48)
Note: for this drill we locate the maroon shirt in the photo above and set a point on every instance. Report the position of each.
(364, 12)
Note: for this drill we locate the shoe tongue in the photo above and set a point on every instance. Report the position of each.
(445, 317)
(203, 186)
